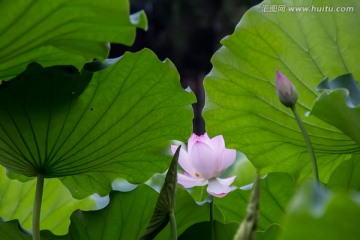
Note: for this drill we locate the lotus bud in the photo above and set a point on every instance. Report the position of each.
(285, 90)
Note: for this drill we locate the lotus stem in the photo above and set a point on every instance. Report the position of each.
(37, 207)
(212, 222)
(248, 227)
(308, 144)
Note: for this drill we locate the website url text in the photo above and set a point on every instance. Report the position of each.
(313, 8)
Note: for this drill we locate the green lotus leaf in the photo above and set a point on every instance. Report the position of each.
(339, 105)
(202, 231)
(63, 32)
(127, 215)
(10, 230)
(276, 191)
(321, 214)
(17, 198)
(271, 233)
(346, 175)
(89, 131)
(187, 213)
(306, 46)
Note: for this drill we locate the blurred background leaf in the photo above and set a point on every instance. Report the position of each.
(315, 214)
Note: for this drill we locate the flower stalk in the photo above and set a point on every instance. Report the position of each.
(308, 144)
(288, 96)
(37, 207)
(248, 227)
(212, 222)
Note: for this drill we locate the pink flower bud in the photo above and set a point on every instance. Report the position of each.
(285, 90)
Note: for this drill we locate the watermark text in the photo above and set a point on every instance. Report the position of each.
(273, 8)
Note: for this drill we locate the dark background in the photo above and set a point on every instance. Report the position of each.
(188, 32)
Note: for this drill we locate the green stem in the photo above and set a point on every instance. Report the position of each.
(37, 207)
(308, 144)
(248, 226)
(212, 222)
(173, 226)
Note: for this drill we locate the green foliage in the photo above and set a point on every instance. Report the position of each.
(248, 227)
(244, 171)
(115, 119)
(11, 230)
(16, 201)
(339, 105)
(201, 231)
(89, 132)
(165, 204)
(242, 105)
(124, 218)
(62, 32)
(321, 214)
(271, 233)
(241, 102)
(276, 191)
(127, 215)
(187, 213)
(347, 175)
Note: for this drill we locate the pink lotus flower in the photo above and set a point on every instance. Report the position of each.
(204, 161)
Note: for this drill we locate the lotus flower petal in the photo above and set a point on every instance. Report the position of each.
(189, 182)
(184, 161)
(227, 158)
(217, 144)
(220, 187)
(205, 160)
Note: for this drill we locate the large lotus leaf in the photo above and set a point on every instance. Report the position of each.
(276, 191)
(16, 201)
(307, 46)
(315, 214)
(57, 122)
(62, 32)
(339, 105)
